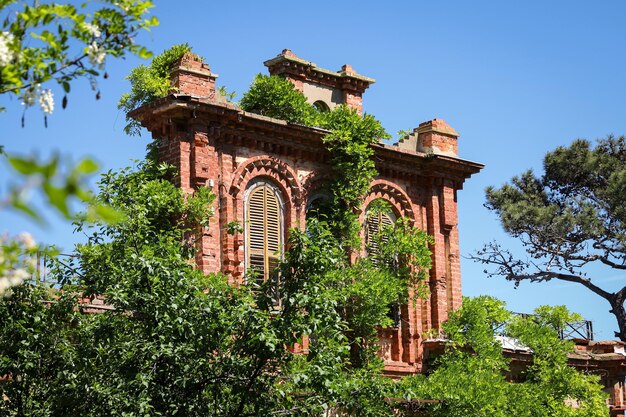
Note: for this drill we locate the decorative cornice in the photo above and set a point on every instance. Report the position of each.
(402, 162)
(288, 62)
(201, 72)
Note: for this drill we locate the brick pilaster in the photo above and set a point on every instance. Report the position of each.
(352, 97)
(204, 172)
(438, 291)
(449, 223)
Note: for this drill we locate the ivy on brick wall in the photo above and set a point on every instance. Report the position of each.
(349, 143)
(357, 294)
(352, 161)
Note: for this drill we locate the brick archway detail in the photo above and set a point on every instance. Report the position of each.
(314, 182)
(394, 195)
(267, 166)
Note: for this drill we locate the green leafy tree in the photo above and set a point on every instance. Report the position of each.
(173, 341)
(276, 97)
(568, 219)
(44, 43)
(470, 377)
(53, 42)
(37, 350)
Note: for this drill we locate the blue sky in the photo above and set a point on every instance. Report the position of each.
(516, 79)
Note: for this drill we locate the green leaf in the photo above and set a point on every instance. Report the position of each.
(24, 208)
(57, 196)
(106, 214)
(86, 166)
(25, 166)
(144, 53)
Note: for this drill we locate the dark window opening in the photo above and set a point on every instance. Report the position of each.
(318, 207)
(321, 106)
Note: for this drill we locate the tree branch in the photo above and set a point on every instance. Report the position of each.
(515, 270)
(17, 89)
(547, 275)
(592, 258)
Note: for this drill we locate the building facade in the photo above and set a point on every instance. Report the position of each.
(267, 174)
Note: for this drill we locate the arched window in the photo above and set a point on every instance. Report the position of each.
(378, 215)
(318, 206)
(264, 228)
(321, 106)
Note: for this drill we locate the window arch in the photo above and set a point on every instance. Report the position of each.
(321, 106)
(264, 228)
(318, 205)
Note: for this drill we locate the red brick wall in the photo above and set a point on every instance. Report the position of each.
(354, 100)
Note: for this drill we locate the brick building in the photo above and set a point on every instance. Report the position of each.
(266, 174)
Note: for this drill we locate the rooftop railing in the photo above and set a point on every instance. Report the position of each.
(582, 329)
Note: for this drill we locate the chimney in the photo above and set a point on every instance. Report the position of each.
(437, 137)
(191, 76)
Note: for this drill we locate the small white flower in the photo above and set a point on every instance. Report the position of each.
(46, 101)
(4, 284)
(28, 97)
(6, 55)
(25, 238)
(12, 279)
(18, 276)
(31, 263)
(96, 54)
(123, 6)
(93, 29)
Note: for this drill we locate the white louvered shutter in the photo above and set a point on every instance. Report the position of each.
(375, 223)
(273, 220)
(256, 231)
(372, 227)
(264, 230)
